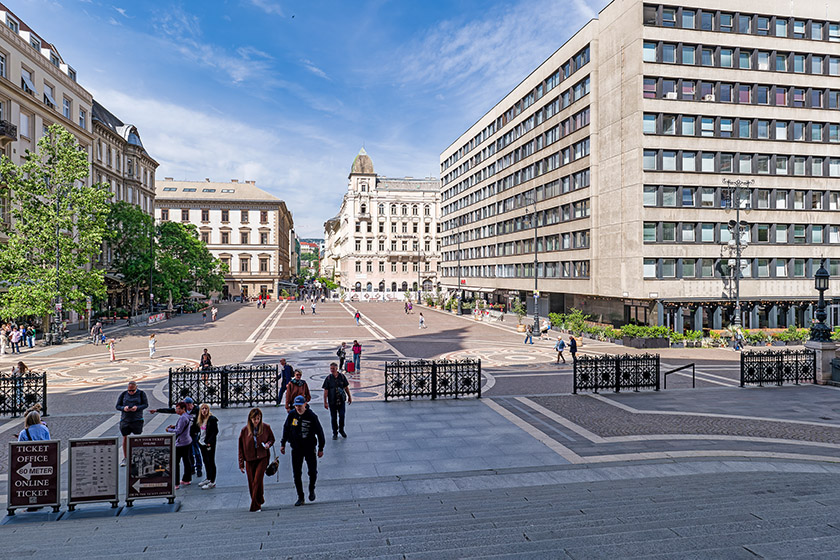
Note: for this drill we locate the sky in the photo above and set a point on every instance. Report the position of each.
(285, 93)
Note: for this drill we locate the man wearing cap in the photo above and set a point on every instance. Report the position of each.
(303, 430)
(195, 450)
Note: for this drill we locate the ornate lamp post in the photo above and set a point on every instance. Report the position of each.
(819, 330)
(536, 264)
(737, 228)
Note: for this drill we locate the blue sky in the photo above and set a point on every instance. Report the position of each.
(285, 93)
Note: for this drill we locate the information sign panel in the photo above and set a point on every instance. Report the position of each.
(93, 471)
(34, 474)
(151, 468)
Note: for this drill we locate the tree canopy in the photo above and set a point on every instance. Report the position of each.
(183, 263)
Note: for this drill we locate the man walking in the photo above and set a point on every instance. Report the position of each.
(529, 334)
(283, 376)
(573, 348)
(422, 321)
(131, 404)
(96, 333)
(336, 392)
(303, 430)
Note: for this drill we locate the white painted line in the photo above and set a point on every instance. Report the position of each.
(540, 436)
(580, 430)
(376, 336)
(701, 377)
(11, 424)
(270, 316)
(267, 333)
(709, 453)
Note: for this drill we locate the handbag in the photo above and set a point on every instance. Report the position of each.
(272, 467)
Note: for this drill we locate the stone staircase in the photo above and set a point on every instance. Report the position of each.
(727, 516)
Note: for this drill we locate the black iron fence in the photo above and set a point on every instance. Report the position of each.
(778, 368)
(611, 372)
(19, 392)
(234, 385)
(432, 378)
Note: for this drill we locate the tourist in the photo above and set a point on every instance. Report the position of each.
(573, 347)
(152, 342)
(283, 376)
(357, 356)
(422, 321)
(206, 361)
(358, 317)
(297, 387)
(183, 445)
(15, 338)
(254, 441)
(559, 347)
(30, 336)
(304, 432)
(208, 431)
(336, 393)
(303, 309)
(213, 313)
(342, 355)
(33, 428)
(112, 342)
(529, 334)
(131, 403)
(313, 306)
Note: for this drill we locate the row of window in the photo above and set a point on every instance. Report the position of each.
(244, 237)
(36, 44)
(722, 162)
(783, 234)
(561, 269)
(739, 22)
(740, 58)
(415, 209)
(415, 268)
(414, 227)
(27, 84)
(427, 286)
(724, 197)
(245, 264)
(740, 93)
(244, 215)
(732, 127)
(193, 189)
(725, 268)
(564, 72)
(403, 246)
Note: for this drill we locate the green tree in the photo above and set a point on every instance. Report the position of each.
(183, 263)
(51, 208)
(129, 230)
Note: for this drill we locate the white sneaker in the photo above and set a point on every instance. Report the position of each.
(203, 482)
(122, 463)
(208, 485)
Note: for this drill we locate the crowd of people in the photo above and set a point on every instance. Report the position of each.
(13, 337)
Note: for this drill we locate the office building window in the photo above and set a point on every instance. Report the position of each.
(244, 237)
(263, 265)
(205, 215)
(263, 238)
(244, 264)
(244, 216)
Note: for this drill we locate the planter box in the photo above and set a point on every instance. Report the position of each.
(678, 345)
(645, 342)
(795, 343)
(617, 341)
(778, 343)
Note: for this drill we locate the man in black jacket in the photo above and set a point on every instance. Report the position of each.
(131, 404)
(303, 430)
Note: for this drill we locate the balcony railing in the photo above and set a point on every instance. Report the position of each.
(8, 132)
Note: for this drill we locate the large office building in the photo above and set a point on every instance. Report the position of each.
(248, 229)
(384, 238)
(613, 162)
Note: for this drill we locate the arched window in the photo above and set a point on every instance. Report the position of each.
(394, 209)
(382, 286)
(414, 286)
(405, 210)
(369, 287)
(405, 286)
(426, 210)
(393, 286)
(382, 209)
(427, 285)
(363, 209)
(358, 287)
(414, 210)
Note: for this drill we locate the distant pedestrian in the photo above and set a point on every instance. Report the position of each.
(529, 334)
(152, 342)
(4, 341)
(204, 315)
(213, 313)
(559, 347)
(303, 309)
(405, 308)
(297, 387)
(254, 441)
(96, 333)
(131, 403)
(33, 428)
(284, 375)
(206, 361)
(358, 317)
(18, 372)
(313, 307)
(112, 342)
(15, 338)
(342, 355)
(183, 445)
(410, 307)
(208, 432)
(304, 432)
(573, 347)
(30, 336)
(422, 321)
(357, 355)
(336, 394)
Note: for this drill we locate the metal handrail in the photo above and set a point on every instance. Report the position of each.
(667, 373)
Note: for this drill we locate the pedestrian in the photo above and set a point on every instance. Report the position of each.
(342, 355)
(303, 309)
(94, 335)
(183, 445)
(33, 428)
(192, 411)
(405, 308)
(303, 431)
(131, 403)
(208, 432)
(357, 355)
(254, 441)
(529, 334)
(336, 393)
(422, 321)
(410, 307)
(206, 361)
(4, 341)
(18, 372)
(111, 343)
(152, 342)
(559, 347)
(283, 377)
(16, 336)
(573, 347)
(358, 317)
(214, 312)
(204, 315)
(297, 387)
(313, 307)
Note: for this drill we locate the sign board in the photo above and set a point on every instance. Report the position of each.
(89, 303)
(150, 472)
(156, 318)
(93, 471)
(34, 474)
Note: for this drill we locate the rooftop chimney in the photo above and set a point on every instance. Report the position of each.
(234, 180)
(168, 179)
(207, 179)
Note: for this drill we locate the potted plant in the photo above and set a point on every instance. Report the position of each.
(520, 311)
(677, 340)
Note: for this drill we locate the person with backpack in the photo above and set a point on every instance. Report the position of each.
(342, 355)
(336, 393)
(559, 347)
(303, 430)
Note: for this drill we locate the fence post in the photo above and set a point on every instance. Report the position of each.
(742, 369)
(617, 360)
(479, 378)
(224, 379)
(780, 369)
(44, 385)
(575, 378)
(386, 381)
(434, 380)
(170, 387)
(657, 372)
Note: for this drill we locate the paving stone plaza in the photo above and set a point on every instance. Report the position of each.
(528, 470)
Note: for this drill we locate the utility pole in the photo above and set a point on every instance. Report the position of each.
(460, 291)
(536, 275)
(737, 229)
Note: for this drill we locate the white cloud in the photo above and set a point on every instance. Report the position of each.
(121, 11)
(268, 7)
(309, 65)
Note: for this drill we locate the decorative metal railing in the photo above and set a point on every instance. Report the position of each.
(19, 392)
(432, 378)
(233, 385)
(612, 372)
(779, 367)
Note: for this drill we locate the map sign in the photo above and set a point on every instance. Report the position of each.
(93, 471)
(151, 467)
(34, 474)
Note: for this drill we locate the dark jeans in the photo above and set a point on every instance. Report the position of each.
(311, 457)
(281, 393)
(209, 456)
(182, 453)
(337, 416)
(196, 454)
(341, 360)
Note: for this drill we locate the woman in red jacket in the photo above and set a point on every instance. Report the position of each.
(254, 441)
(297, 386)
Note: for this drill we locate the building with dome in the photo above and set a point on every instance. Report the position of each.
(384, 239)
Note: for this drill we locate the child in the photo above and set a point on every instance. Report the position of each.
(111, 342)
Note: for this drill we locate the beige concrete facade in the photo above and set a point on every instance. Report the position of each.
(245, 227)
(628, 169)
(384, 237)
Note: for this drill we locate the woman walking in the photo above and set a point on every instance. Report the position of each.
(208, 431)
(357, 355)
(254, 441)
(152, 342)
(297, 386)
(183, 445)
(111, 343)
(559, 347)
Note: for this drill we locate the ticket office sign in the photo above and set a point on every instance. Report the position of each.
(151, 467)
(93, 471)
(34, 474)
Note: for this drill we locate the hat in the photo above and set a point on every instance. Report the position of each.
(299, 400)
(189, 400)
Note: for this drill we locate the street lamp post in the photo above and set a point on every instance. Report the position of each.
(737, 230)
(819, 330)
(460, 290)
(537, 330)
